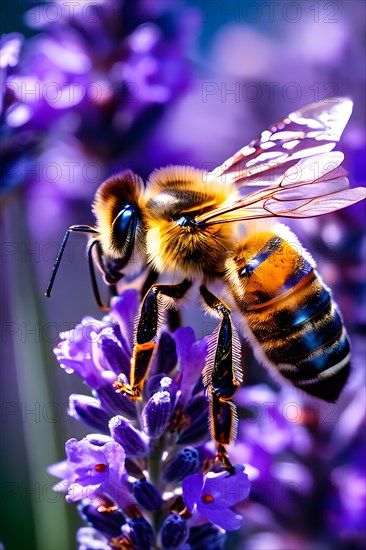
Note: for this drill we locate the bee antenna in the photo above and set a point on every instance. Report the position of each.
(56, 265)
(97, 296)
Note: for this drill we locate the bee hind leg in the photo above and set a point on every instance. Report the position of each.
(221, 376)
(146, 332)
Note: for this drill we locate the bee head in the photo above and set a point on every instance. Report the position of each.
(118, 208)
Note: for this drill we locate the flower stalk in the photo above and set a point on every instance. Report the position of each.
(145, 475)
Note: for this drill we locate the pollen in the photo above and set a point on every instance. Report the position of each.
(207, 498)
(101, 468)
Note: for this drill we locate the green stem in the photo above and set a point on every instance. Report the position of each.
(154, 462)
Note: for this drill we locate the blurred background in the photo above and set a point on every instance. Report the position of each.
(92, 87)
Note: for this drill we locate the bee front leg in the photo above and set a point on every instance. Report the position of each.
(221, 376)
(146, 332)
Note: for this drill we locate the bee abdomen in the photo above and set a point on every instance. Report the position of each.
(308, 345)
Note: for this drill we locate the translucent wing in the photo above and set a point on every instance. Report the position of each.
(312, 130)
(314, 186)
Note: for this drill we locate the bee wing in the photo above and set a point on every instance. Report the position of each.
(314, 186)
(312, 130)
(316, 206)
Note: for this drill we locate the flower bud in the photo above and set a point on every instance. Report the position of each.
(174, 532)
(197, 412)
(140, 533)
(156, 414)
(147, 495)
(103, 516)
(206, 536)
(166, 356)
(185, 463)
(89, 410)
(161, 382)
(116, 403)
(133, 441)
(112, 355)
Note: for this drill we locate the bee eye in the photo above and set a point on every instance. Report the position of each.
(124, 228)
(124, 219)
(124, 223)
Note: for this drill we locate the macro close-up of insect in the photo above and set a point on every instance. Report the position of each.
(197, 227)
(183, 195)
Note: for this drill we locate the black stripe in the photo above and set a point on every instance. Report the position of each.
(323, 362)
(315, 304)
(297, 275)
(299, 347)
(271, 246)
(330, 387)
(284, 322)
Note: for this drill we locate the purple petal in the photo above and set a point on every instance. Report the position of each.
(62, 486)
(79, 492)
(166, 356)
(99, 440)
(191, 357)
(59, 469)
(221, 516)
(124, 310)
(82, 453)
(115, 456)
(184, 340)
(10, 45)
(228, 489)
(112, 355)
(90, 538)
(192, 487)
(197, 430)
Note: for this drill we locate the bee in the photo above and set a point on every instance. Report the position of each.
(188, 223)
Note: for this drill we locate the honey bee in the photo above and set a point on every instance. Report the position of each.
(189, 223)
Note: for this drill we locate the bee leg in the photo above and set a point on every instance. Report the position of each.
(224, 459)
(97, 296)
(147, 329)
(150, 280)
(221, 376)
(111, 276)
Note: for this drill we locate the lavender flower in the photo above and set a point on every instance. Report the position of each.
(129, 476)
(213, 494)
(92, 469)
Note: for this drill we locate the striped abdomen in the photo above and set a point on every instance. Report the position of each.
(296, 325)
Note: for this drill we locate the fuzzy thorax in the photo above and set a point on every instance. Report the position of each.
(174, 242)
